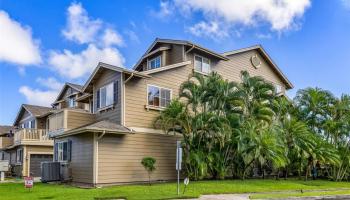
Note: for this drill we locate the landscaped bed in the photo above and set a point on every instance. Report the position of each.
(16, 191)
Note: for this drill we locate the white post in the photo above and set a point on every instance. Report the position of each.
(178, 164)
(2, 176)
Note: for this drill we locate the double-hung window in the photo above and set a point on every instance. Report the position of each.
(158, 96)
(107, 95)
(201, 64)
(63, 151)
(154, 63)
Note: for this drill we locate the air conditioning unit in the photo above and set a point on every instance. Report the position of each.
(65, 172)
(50, 171)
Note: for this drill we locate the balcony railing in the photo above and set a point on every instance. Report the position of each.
(67, 119)
(29, 136)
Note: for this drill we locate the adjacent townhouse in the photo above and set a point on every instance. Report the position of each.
(26, 143)
(104, 128)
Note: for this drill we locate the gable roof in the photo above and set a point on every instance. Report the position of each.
(5, 129)
(34, 110)
(182, 42)
(102, 65)
(71, 85)
(262, 51)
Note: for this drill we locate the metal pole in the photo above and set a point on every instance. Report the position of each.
(178, 182)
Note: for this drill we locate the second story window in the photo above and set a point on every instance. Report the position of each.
(71, 102)
(201, 64)
(158, 97)
(154, 63)
(107, 95)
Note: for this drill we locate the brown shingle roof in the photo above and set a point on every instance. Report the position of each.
(5, 129)
(37, 110)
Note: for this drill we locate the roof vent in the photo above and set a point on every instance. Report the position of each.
(255, 61)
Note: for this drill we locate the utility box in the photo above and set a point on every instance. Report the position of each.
(50, 171)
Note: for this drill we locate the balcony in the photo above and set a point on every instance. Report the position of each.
(32, 137)
(67, 119)
(6, 142)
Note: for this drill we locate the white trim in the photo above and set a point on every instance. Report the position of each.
(95, 160)
(160, 87)
(110, 105)
(58, 157)
(122, 98)
(194, 64)
(147, 130)
(160, 69)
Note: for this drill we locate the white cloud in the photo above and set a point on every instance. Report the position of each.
(132, 36)
(346, 3)
(80, 28)
(111, 37)
(16, 42)
(209, 29)
(76, 65)
(166, 10)
(280, 15)
(50, 83)
(42, 97)
(101, 41)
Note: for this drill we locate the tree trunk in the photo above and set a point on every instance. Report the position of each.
(149, 178)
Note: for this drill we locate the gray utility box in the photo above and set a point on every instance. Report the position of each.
(50, 171)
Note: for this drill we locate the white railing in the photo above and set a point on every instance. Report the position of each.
(30, 134)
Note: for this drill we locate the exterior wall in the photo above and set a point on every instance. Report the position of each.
(119, 157)
(136, 115)
(77, 119)
(82, 157)
(175, 54)
(26, 117)
(232, 68)
(33, 150)
(112, 114)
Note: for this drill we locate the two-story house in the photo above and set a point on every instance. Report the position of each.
(26, 143)
(105, 144)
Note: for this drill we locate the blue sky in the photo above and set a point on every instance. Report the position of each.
(57, 41)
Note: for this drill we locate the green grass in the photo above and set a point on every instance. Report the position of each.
(16, 191)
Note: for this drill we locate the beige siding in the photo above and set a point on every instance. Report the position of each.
(119, 157)
(136, 115)
(82, 157)
(176, 54)
(232, 68)
(77, 119)
(114, 114)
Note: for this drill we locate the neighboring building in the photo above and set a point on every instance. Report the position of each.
(27, 144)
(104, 141)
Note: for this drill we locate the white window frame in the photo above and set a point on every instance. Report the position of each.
(202, 57)
(279, 88)
(100, 90)
(60, 151)
(160, 88)
(72, 100)
(153, 59)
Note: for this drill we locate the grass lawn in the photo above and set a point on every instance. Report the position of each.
(16, 191)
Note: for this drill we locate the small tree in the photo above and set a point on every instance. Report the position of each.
(148, 163)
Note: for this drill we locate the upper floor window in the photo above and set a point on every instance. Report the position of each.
(158, 96)
(107, 95)
(201, 64)
(71, 102)
(154, 63)
(278, 88)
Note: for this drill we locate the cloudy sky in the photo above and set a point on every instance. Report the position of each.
(46, 43)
